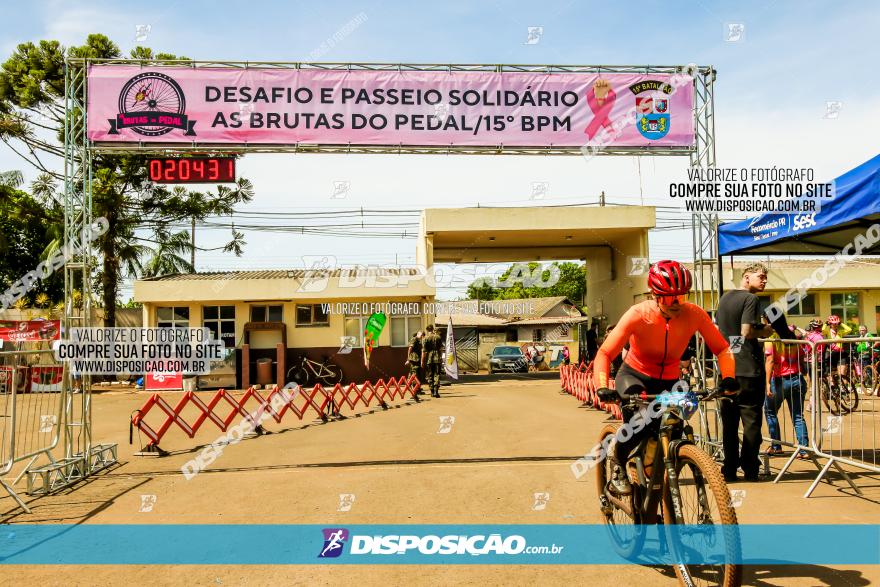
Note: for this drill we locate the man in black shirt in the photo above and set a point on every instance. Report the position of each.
(739, 319)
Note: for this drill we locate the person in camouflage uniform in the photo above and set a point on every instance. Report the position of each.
(414, 359)
(431, 363)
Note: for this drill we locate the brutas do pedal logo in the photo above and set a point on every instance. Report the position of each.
(152, 104)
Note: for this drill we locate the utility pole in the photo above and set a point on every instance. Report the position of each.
(192, 253)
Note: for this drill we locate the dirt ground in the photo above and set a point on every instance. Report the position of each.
(512, 437)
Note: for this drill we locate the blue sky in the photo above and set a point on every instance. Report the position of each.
(771, 94)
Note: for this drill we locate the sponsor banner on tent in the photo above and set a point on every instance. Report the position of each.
(419, 108)
(29, 330)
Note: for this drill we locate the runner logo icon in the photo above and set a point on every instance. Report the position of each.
(334, 541)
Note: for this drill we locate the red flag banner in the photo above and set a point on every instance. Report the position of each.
(30, 330)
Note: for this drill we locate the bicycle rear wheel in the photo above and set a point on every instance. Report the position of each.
(627, 535)
(705, 501)
(831, 397)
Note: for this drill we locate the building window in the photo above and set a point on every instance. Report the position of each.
(266, 314)
(354, 327)
(172, 317)
(846, 305)
(311, 315)
(538, 334)
(220, 320)
(403, 328)
(806, 307)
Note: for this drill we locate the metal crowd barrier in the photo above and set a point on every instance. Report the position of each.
(832, 393)
(846, 421)
(30, 412)
(834, 399)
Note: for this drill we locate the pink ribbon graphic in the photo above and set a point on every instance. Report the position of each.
(600, 111)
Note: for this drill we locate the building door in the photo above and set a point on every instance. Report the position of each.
(466, 345)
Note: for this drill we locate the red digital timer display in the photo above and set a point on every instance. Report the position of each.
(193, 170)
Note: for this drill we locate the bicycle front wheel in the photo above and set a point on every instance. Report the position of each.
(831, 397)
(705, 501)
(627, 535)
(330, 374)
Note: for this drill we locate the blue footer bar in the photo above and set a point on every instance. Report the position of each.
(438, 544)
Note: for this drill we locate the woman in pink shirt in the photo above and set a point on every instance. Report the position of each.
(785, 382)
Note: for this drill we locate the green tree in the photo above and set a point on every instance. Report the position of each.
(520, 280)
(138, 212)
(26, 230)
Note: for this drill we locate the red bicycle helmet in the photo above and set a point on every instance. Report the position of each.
(833, 320)
(669, 278)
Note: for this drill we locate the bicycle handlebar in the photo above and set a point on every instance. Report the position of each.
(705, 395)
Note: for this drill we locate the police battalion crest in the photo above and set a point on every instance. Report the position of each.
(652, 108)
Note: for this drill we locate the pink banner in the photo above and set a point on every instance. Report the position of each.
(412, 108)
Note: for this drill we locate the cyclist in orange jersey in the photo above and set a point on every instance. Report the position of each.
(658, 331)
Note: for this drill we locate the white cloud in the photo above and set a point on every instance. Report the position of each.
(71, 24)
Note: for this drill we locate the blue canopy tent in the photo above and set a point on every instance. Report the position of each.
(855, 207)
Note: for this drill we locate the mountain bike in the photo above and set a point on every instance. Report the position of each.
(670, 473)
(840, 394)
(309, 371)
(867, 368)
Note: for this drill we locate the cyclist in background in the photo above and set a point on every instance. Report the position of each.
(814, 334)
(658, 331)
(837, 353)
(867, 352)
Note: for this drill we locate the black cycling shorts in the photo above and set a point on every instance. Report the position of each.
(629, 381)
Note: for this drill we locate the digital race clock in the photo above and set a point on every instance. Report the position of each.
(192, 170)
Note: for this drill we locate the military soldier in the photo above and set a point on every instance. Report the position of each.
(431, 363)
(414, 359)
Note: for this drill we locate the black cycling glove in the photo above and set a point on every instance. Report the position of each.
(729, 384)
(608, 395)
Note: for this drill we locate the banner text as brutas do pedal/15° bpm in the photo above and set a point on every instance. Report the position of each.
(450, 108)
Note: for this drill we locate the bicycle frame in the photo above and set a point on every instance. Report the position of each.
(673, 432)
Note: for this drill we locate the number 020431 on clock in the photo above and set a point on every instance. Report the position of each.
(192, 170)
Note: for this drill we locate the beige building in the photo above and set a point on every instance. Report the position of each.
(480, 326)
(306, 312)
(283, 315)
(853, 293)
(606, 238)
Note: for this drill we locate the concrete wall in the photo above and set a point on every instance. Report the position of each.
(551, 332)
(610, 288)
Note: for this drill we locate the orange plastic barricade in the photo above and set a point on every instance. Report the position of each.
(317, 399)
(577, 380)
